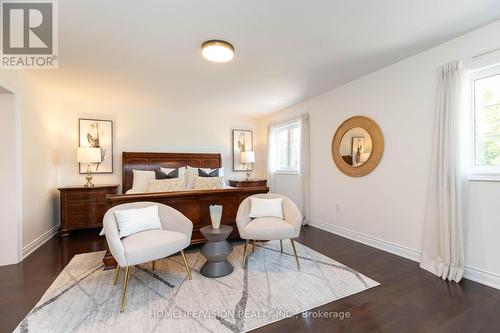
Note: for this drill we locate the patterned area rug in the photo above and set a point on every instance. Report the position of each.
(83, 298)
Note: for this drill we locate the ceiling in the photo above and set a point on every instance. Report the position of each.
(147, 53)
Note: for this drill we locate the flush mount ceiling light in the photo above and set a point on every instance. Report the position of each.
(217, 50)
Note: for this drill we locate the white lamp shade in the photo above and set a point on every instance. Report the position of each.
(247, 157)
(88, 155)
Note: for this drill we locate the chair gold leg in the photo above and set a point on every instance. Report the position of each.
(117, 274)
(154, 265)
(125, 285)
(281, 245)
(295, 252)
(188, 270)
(245, 254)
(253, 246)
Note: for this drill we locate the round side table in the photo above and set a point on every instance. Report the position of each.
(216, 250)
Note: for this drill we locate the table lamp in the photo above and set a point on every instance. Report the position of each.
(88, 155)
(247, 158)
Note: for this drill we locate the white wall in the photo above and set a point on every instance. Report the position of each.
(144, 129)
(10, 231)
(386, 208)
(288, 185)
(39, 157)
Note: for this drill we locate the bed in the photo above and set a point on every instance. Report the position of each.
(194, 204)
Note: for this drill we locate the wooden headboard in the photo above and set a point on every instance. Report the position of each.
(154, 161)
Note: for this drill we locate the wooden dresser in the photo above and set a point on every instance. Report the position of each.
(83, 207)
(248, 183)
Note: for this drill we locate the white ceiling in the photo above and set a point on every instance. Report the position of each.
(148, 52)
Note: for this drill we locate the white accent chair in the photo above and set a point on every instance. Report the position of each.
(149, 245)
(269, 228)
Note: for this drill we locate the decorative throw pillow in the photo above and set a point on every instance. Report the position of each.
(131, 221)
(141, 180)
(168, 173)
(204, 172)
(260, 207)
(209, 173)
(192, 173)
(209, 183)
(167, 185)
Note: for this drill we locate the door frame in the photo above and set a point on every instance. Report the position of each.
(6, 88)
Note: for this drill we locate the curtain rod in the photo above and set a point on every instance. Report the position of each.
(485, 53)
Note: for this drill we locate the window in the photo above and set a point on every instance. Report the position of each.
(485, 102)
(286, 139)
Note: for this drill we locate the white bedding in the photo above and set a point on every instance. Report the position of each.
(131, 191)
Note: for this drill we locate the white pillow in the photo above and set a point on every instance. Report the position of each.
(131, 221)
(209, 183)
(266, 207)
(167, 185)
(141, 180)
(191, 175)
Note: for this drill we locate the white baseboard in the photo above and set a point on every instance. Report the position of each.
(368, 240)
(471, 273)
(31, 247)
(481, 276)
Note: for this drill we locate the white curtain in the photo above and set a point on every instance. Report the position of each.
(304, 166)
(442, 244)
(303, 175)
(270, 157)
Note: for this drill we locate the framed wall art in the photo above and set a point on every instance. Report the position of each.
(97, 133)
(242, 141)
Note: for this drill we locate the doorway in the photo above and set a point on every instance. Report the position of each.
(10, 172)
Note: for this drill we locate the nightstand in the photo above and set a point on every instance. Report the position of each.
(83, 207)
(248, 183)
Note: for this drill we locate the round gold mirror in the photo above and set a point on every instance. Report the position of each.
(357, 146)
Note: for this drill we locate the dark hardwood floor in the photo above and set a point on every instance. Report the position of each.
(409, 299)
